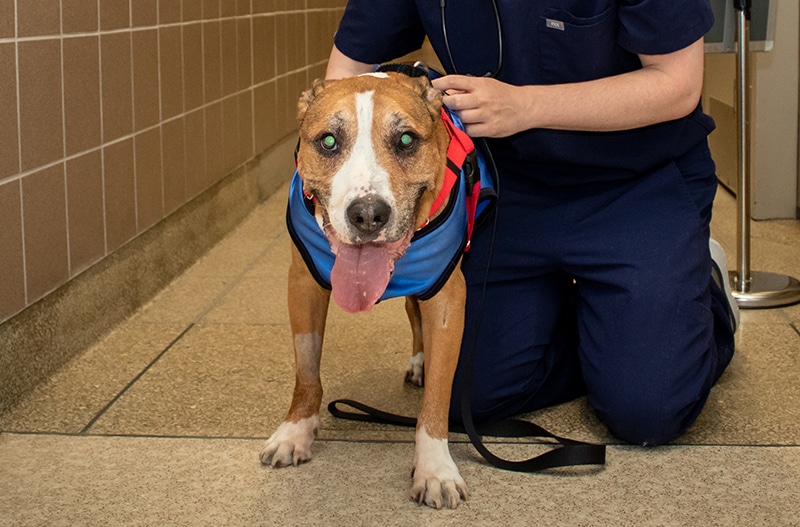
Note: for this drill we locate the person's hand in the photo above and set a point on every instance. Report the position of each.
(488, 107)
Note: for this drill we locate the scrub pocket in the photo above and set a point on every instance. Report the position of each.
(580, 48)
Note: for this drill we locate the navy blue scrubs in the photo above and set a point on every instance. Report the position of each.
(600, 279)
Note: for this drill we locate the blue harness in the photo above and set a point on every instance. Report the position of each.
(435, 249)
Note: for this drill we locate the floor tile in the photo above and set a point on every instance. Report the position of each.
(110, 481)
(72, 397)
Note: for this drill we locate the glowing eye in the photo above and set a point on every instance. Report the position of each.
(406, 140)
(328, 142)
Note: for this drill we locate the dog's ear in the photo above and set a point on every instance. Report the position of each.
(431, 96)
(308, 96)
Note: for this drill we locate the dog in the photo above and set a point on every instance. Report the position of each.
(372, 156)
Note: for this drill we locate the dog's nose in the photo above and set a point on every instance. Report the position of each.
(368, 214)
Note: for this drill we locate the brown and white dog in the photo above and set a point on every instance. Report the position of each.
(372, 154)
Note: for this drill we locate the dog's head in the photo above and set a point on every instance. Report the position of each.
(372, 154)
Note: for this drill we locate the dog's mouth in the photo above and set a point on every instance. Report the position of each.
(361, 272)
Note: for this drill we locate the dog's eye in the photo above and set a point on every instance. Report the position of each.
(328, 142)
(407, 141)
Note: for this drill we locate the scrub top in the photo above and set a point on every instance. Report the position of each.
(546, 42)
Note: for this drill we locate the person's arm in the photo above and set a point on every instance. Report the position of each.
(667, 87)
(341, 66)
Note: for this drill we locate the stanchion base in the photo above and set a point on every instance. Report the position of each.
(765, 290)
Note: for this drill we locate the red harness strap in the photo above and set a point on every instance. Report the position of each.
(460, 147)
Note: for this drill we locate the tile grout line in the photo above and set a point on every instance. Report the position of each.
(133, 381)
(215, 302)
(191, 325)
(452, 440)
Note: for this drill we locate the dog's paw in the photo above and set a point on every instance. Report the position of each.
(436, 480)
(291, 443)
(415, 374)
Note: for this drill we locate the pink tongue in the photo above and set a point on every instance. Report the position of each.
(360, 275)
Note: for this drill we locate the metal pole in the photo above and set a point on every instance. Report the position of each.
(742, 279)
(751, 289)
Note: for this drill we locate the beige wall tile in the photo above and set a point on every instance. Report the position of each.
(119, 194)
(192, 10)
(211, 9)
(85, 210)
(281, 109)
(12, 279)
(115, 70)
(283, 40)
(174, 165)
(194, 130)
(7, 28)
(264, 104)
(287, 106)
(9, 154)
(193, 66)
(297, 34)
(243, 52)
(322, 26)
(45, 224)
(263, 6)
(298, 83)
(243, 7)
(229, 8)
(169, 11)
(79, 16)
(171, 72)
(144, 13)
(149, 187)
(38, 17)
(230, 133)
(230, 77)
(316, 29)
(114, 14)
(212, 61)
(81, 94)
(245, 126)
(263, 48)
(41, 131)
(215, 145)
(145, 79)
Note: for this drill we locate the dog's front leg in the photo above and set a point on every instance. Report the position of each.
(308, 309)
(437, 481)
(415, 374)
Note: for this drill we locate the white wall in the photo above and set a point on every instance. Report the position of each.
(774, 121)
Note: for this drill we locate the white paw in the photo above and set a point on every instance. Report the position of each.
(437, 482)
(416, 369)
(291, 443)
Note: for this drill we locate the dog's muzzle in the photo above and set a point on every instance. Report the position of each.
(368, 215)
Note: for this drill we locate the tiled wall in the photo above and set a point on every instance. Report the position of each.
(114, 113)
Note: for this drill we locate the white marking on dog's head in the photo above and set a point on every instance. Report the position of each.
(361, 174)
(376, 74)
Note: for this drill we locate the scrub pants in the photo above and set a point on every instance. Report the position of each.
(602, 289)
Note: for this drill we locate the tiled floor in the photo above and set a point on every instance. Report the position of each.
(161, 423)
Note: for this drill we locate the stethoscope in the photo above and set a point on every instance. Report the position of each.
(494, 73)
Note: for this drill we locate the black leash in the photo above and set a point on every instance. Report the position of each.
(569, 452)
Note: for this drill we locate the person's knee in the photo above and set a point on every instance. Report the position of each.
(641, 423)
